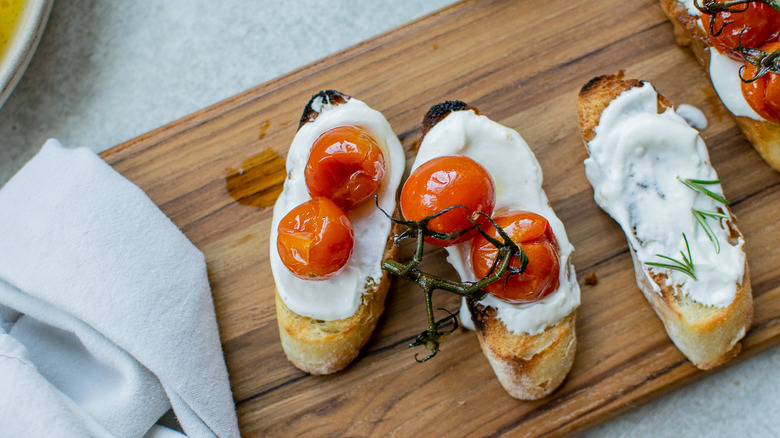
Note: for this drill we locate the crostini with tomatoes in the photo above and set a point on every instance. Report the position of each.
(738, 44)
(483, 176)
(328, 238)
(651, 172)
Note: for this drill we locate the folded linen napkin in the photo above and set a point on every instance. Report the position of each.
(106, 315)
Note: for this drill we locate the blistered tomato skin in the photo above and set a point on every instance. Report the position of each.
(753, 26)
(444, 182)
(346, 165)
(535, 237)
(763, 94)
(315, 239)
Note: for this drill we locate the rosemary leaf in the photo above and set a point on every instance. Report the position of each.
(685, 266)
(713, 214)
(699, 215)
(698, 185)
(688, 260)
(682, 269)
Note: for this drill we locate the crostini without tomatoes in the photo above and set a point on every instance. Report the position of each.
(651, 172)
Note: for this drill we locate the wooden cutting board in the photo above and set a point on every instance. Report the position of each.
(522, 64)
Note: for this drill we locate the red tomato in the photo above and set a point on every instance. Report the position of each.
(774, 25)
(753, 26)
(315, 239)
(534, 235)
(346, 165)
(444, 182)
(763, 94)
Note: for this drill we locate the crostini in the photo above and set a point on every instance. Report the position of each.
(651, 172)
(525, 323)
(727, 40)
(328, 238)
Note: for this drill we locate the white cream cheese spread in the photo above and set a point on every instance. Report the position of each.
(724, 73)
(339, 297)
(691, 8)
(637, 161)
(518, 182)
(693, 116)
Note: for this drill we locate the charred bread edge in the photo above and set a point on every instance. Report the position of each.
(529, 367)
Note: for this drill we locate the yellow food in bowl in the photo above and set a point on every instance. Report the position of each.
(10, 12)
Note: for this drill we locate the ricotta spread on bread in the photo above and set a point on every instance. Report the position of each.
(694, 116)
(638, 158)
(518, 183)
(339, 297)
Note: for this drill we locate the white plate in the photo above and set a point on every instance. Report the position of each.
(22, 44)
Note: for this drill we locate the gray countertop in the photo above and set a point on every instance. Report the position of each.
(107, 71)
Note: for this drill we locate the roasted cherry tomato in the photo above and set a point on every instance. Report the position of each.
(444, 182)
(534, 235)
(346, 165)
(753, 26)
(315, 239)
(763, 94)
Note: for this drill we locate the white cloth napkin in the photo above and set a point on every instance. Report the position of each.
(106, 315)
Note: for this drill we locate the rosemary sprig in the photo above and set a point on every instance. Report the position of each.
(698, 185)
(685, 266)
(432, 337)
(701, 216)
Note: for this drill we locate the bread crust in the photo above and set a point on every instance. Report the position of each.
(763, 135)
(529, 367)
(708, 336)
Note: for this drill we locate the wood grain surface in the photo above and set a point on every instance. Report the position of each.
(522, 63)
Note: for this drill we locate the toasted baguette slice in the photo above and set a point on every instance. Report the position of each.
(708, 336)
(528, 366)
(323, 347)
(763, 135)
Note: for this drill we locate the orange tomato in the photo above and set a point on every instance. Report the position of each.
(535, 237)
(763, 94)
(445, 182)
(315, 239)
(753, 26)
(346, 165)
